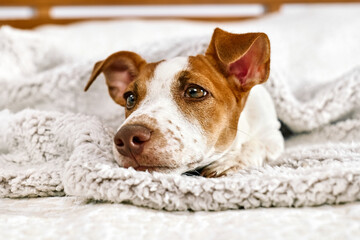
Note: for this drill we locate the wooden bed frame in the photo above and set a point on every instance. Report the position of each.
(42, 8)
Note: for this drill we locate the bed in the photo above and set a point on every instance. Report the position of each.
(315, 83)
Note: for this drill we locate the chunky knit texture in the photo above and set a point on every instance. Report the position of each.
(69, 151)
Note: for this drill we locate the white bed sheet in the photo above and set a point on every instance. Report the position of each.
(71, 218)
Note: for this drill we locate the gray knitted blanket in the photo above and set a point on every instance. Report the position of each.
(57, 141)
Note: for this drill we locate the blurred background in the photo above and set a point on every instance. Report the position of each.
(32, 13)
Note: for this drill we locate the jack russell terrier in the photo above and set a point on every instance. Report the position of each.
(199, 112)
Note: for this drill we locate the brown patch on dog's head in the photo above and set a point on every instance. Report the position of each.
(232, 65)
(124, 72)
(120, 69)
(138, 86)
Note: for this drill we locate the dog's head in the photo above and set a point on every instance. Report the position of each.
(183, 113)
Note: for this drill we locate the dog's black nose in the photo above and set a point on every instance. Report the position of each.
(130, 140)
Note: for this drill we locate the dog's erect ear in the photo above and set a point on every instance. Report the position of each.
(245, 56)
(119, 69)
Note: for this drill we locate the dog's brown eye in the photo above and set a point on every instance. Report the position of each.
(196, 92)
(130, 100)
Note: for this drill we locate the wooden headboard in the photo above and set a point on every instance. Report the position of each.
(42, 8)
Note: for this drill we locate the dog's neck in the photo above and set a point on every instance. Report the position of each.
(233, 150)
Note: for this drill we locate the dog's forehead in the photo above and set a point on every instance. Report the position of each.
(165, 74)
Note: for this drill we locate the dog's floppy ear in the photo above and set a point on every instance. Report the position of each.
(244, 56)
(120, 69)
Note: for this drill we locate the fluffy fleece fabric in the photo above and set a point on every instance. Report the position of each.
(58, 153)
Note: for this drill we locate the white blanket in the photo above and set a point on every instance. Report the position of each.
(47, 69)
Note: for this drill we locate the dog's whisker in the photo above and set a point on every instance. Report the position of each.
(240, 131)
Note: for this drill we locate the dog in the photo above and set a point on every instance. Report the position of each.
(207, 113)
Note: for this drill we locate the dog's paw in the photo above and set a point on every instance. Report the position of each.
(220, 169)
